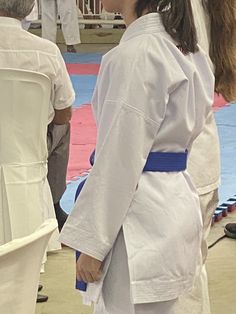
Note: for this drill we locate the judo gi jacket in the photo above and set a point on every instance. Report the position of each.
(149, 97)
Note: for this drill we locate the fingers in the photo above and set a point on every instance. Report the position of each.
(88, 269)
(88, 276)
(96, 275)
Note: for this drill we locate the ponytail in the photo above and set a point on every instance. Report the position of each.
(177, 18)
(222, 45)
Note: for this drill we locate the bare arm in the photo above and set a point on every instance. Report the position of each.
(62, 116)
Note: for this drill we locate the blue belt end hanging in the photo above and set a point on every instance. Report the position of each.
(80, 285)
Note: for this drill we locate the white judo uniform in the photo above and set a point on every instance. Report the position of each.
(68, 12)
(149, 97)
(205, 154)
(33, 16)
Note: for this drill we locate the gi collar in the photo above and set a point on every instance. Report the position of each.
(146, 24)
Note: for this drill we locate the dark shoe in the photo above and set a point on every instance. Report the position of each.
(60, 215)
(71, 49)
(40, 287)
(42, 298)
(230, 230)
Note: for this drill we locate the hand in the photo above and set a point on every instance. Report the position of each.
(88, 269)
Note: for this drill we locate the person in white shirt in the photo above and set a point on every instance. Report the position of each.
(20, 49)
(138, 220)
(205, 153)
(68, 12)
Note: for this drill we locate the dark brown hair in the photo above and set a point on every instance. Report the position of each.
(177, 18)
(222, 45)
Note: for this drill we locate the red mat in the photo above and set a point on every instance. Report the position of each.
(83, 138)
(83, 69)
(219, 102)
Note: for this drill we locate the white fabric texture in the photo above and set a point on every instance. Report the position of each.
(25, 196)
(26, 24)
(197, 301)
(33, 16)
(115, 296)
(20, 262)
(68, 12)
(205, 153)
(204, 169)
(149, 97)
(21, 50)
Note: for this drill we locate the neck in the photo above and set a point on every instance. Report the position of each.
(2, 13)
(128, 15)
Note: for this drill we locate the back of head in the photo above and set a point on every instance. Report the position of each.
(222, 45)
(177, 18)
(18, 9)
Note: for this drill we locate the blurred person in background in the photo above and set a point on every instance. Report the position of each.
(33, 16)
(68, 12)
(216, 30)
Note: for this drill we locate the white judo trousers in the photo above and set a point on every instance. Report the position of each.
(33, 16)
(67, 10)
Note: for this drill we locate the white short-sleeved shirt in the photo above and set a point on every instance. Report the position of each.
(21, 50)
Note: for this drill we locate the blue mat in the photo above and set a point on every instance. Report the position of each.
(84, 86)
(83, 57)
(226, 123)
(67, 201)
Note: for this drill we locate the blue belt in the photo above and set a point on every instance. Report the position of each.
(161, 161)
(166, 162)
(156, 162)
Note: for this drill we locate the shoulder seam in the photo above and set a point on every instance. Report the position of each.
(137, 111)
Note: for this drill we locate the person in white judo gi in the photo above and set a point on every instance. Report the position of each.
(205, 153)
(33, 16)
(68, 12)
(138, 220)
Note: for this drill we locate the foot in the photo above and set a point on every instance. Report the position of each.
(71, 49)
(40, 287)
(230, 230)
(42, 298)
(60, 215)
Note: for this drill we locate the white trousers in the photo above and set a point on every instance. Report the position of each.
(116, 297)
(68, 12)
(197, 302)
(25, 24)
